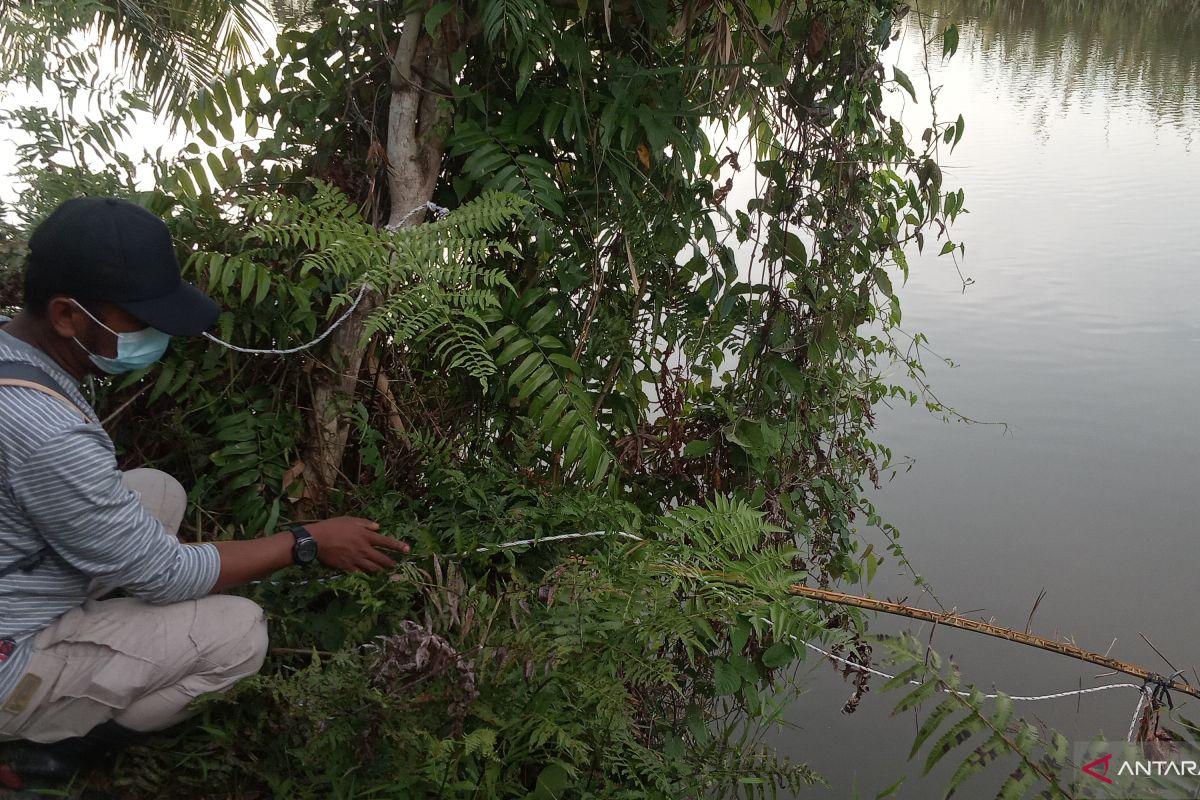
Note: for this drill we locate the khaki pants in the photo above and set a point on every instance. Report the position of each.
(138, 664)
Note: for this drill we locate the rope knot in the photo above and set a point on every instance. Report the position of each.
(1161, 694)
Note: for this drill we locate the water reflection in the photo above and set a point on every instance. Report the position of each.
(1143, 57)
(1080, 331)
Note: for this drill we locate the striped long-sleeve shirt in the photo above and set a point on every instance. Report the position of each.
(60, 486)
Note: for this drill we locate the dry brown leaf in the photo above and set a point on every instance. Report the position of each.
(289, 477)
(644, 155)
(816, 38)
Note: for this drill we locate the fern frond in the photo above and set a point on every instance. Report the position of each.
(545, 377)
(436, 280)
(1039, 763)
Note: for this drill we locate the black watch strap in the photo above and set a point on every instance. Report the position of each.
(304, 551)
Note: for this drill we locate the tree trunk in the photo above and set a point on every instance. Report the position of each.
(419, 116)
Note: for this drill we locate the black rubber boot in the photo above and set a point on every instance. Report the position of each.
(28, 765)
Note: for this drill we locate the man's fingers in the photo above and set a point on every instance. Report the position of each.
(366, 565)
(379, 540)
(379, 558)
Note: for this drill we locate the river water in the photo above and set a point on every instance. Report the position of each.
(1081, 332)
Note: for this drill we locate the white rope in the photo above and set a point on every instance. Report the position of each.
(438, 211)
(491, 547)
(1142, 690)
(1055, 696)
(1143, 696)
(255, 352)
(560, 538)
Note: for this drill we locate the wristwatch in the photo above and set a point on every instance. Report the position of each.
(304, 551)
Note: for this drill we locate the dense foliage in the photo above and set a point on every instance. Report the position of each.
(658, 307)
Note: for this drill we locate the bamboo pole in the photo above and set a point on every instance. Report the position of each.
(966, 624)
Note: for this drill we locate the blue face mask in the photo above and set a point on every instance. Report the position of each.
(135, 349)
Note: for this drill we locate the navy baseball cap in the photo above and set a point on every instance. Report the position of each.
(105, 248)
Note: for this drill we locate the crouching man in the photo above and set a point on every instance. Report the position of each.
(80, 677)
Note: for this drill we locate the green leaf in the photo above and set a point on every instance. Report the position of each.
(480, 740)
(726, 678)
(242, 480)
(543, 316)
(215, 166)
(550, 418)
(539, 377)
(1018, 783)
(601, 467)
(565, 427)
(739, 635)
(932, 722)
(200, 176)
(264, 285)
(272, 517)
(904, 677)
(248, 279)
(959, 733)
(674, 747)
(950, 41)
(778, 655)
(903, 80)
(746, 668)
(237, 449)
(165, 375)
(697, 725)
(566, 362)
(883, 282)
(975, 763)
(1003, 712)
(918, 695)
(792, 375)
(891, 790)
(513, 349)
(527, 366)
(872, 564)
(1058, 745)
(552, 782)
(545, 395)
(502, 334)
(755, 436)
(575, 445)
(1027, 736)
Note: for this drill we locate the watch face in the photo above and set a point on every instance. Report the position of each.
(306, 550)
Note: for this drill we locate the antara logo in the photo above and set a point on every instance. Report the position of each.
(1102, 764)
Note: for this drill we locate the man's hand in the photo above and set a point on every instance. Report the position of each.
(345, 543)
(349, 544)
